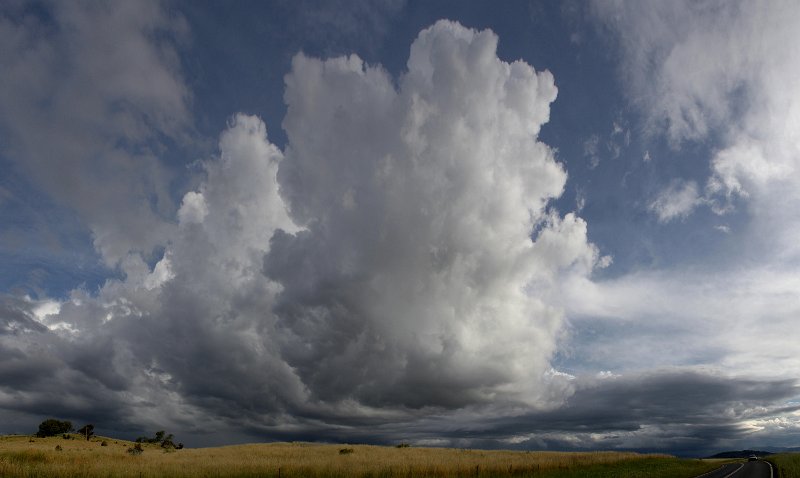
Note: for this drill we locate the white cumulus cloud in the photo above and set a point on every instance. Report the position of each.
(398, 258)
(419, 203)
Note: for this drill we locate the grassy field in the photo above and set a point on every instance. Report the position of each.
(23, 456)
(787, 465)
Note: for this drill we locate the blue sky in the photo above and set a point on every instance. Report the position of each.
(447, 223)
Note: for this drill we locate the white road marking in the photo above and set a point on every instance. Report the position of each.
(716, 470)
(734, 471)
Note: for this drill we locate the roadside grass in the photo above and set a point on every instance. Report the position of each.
(21, 456)
(787, 465)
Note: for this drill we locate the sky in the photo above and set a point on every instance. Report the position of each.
(525, 225)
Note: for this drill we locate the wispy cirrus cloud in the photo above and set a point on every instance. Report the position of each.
(717, 71)
(677, 200)
(707, 73)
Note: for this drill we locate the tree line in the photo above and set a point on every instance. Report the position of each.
(53, 427)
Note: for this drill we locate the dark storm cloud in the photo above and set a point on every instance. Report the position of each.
(664, 398)
(680, 412)
(16, 318)
(18, 369)
(43, 373)
(684, 412)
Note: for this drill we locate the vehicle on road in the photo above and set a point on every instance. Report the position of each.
(752, 458)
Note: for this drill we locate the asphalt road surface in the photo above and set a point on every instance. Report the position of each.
(750, 469)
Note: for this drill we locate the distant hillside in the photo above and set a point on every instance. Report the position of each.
(785, 449)
(740, 454)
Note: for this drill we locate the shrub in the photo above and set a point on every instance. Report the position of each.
(52, 427)
(166, 441)
(103, 443)
(403, 445)
(58, 448)
(346, 451)
(136, 449)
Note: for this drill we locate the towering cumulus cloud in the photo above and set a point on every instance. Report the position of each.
(397, 259)
(409, 283)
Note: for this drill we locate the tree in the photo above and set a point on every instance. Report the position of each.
(52, 427)
(162, 438)
(87, 431)
(167, 442)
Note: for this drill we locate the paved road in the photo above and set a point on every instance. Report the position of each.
(750, 469)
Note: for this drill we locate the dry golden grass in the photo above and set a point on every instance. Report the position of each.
(788, 464)
(19, 457)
